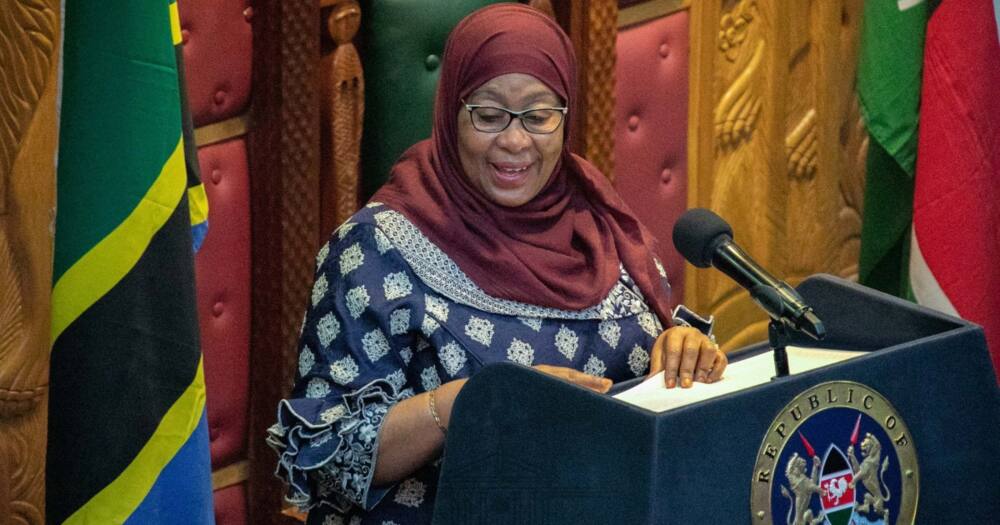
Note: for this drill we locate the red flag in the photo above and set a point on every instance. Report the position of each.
(955, 254)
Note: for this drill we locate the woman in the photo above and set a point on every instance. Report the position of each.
(491, 242)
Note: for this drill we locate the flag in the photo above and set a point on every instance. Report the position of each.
(197, 198)
(889, 66)
(955, 254)
(127, 440)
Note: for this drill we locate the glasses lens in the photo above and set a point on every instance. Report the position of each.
(542, 120)
(490, 120)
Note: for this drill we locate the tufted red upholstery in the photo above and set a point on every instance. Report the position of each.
(651, 104)
(217, 58)
(223, 275)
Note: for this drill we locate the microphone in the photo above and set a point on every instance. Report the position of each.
(705, 239)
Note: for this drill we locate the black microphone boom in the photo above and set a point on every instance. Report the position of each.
(705, 239)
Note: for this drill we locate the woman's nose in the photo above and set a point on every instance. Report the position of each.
(515, 137)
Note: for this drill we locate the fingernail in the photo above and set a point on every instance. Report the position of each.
(700, 376)
(671, 382)
(686, 382)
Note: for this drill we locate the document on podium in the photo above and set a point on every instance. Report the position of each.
(651, 394)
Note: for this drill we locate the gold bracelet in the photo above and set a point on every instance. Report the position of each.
(434, 414)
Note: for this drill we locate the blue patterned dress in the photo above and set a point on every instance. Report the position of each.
(391, 316)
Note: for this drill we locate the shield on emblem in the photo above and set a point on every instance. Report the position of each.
(837, 496)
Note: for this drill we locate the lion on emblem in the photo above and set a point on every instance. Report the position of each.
(803, 487)
(871, 476)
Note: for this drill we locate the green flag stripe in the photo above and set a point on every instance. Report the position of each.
(118, 500)
(120, 117)
(98, 270)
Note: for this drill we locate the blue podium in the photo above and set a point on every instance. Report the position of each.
(907, 432)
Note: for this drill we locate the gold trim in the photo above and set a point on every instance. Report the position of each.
(231, 475)
(220, 131)
(649, 10)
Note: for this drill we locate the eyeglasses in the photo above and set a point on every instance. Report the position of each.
(492, 119)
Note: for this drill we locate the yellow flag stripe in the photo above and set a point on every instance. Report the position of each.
(175, 23)
(116, 502)
(114, 256)
(198, 202)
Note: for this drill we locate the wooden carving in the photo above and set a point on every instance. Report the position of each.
(342, 107)
(737, 112)
(851, 146)
(801, 146)
(775, 144)
(29, 41)
(733, 28)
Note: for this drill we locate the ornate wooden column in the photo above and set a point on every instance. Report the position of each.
(285, 197)
(775, 143)
(29, 54)
(593, 27)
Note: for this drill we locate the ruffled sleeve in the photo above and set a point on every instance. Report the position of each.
(351, 372)
(327, 451)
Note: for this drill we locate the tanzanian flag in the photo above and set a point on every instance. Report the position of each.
(127, 440)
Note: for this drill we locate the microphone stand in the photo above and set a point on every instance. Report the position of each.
(777, 337)
(780, 328)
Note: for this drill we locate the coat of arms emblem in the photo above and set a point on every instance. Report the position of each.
(838, 454)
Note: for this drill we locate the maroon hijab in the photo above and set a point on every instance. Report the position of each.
(563, 248)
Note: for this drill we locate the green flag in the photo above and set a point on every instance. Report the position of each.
(889, 70)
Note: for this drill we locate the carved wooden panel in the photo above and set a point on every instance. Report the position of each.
(776, 146)
(284, 193)
(28, 128)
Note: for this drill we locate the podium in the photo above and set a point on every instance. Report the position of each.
(526, 448)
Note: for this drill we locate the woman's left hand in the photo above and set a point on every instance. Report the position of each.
(686, 354)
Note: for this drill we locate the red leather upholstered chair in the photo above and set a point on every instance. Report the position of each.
(217, 58)
(651, 106)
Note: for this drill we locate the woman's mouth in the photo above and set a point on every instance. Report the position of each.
(510, 175)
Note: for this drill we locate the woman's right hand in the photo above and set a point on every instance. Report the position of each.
(597, 384)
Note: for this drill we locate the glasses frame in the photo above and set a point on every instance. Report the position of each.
(515, 115)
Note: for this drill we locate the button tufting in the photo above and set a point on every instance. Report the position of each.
(220, 97)
(217, 309)
(216, 175)
(185, 36)
(664, 50)
(666, 175)
(248, 13)
(633, 122)
(432, 62)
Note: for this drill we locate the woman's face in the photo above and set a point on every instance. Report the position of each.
(510, 167)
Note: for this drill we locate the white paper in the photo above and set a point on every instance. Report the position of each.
(651, 394)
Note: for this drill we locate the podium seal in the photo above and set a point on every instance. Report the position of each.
(837, 454)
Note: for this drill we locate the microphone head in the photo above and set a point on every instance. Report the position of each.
(697, 233)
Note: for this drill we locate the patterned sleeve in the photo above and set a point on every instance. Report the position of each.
(348, 378)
